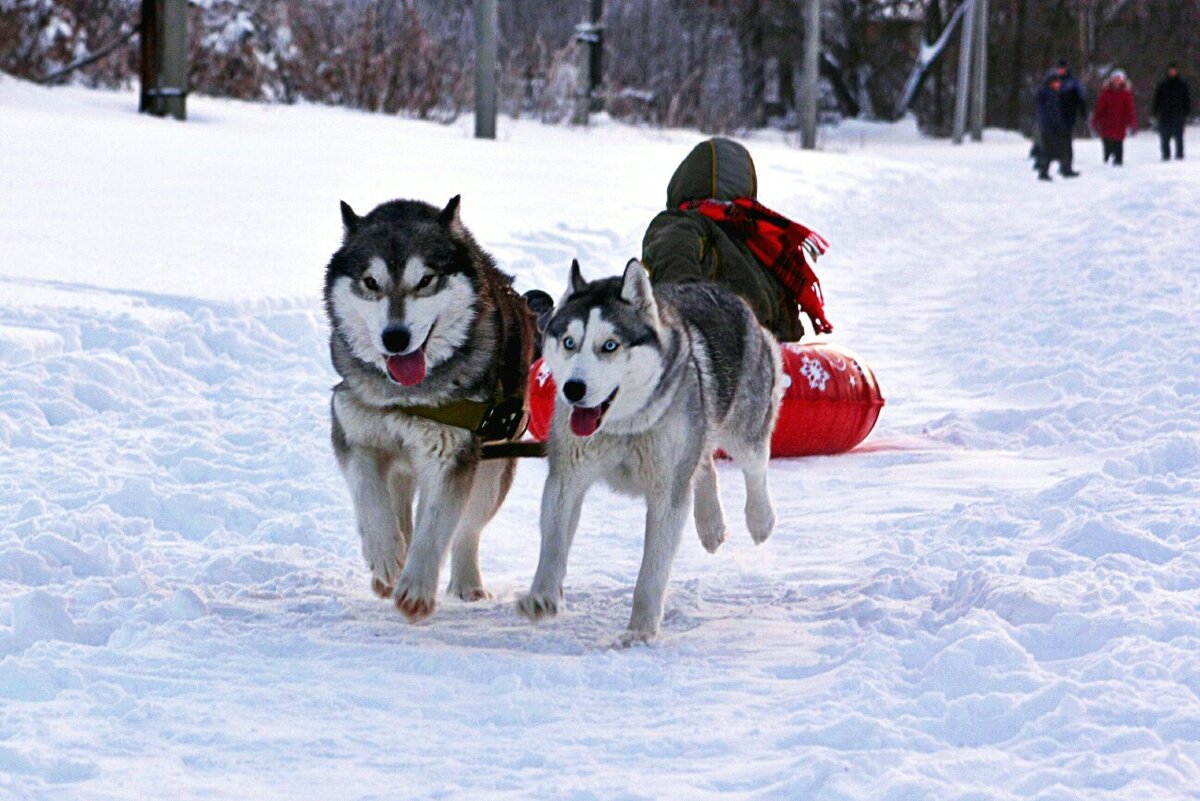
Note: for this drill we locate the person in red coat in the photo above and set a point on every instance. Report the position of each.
(1114, 116)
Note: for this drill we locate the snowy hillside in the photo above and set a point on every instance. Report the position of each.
(996, 597)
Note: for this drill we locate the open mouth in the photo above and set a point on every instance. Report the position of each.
(586, 419)
(408, 369)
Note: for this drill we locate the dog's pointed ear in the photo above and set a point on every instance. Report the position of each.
(449, 215)
(636, 291)
(350, 221)
(577, 283)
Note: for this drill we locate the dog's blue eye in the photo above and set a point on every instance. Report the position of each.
(611, 345)
(569, 342)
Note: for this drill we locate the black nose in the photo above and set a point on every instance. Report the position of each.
(574, 390)
(395, 338)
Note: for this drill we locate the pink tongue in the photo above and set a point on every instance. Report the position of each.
(408, 369)
(584, 421)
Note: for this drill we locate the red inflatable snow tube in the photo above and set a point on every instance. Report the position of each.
(830, 401)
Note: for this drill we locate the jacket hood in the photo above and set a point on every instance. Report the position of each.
(716, 168)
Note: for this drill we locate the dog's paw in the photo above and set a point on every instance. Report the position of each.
(632, 637)
(761, 522)
(711, 534)
(415, 609)
(538, 605)
(385, 567)
(383, 582)
(470, 594)
(415, 599)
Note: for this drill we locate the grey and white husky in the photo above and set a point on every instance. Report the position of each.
(651, 383)
(433, 347)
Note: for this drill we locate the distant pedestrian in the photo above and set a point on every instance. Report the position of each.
(1172, 107)
(1058, 104)
(1114, 117)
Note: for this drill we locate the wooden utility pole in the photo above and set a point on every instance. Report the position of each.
(486, 23)
(590, 36)
(979, 88)
(964, 73)
(164, 66)
(811, 79)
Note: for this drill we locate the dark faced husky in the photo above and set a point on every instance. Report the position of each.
(651, 384)
(433, 347)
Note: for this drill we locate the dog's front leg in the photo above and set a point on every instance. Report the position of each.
(562, 500)
(439, 510)
(378, 526)
(666, 515)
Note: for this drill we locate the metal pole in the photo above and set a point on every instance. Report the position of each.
(583, 99)
(811, 78)
(596, 58)
(979, 90)
(588, 34)
(148, 71)
(173, 75)
(486, 23)
(964, 73)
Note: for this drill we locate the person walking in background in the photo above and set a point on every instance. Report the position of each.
(1114, 117)
(1074, 107)
(1054, 137)
(1058, 104)
(1172, 107)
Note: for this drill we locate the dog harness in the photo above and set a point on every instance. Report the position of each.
(500, 422)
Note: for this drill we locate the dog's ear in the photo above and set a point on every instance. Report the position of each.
(577, 283)
(541, 304)
(350, 221)
(449, 215)
(636, 291)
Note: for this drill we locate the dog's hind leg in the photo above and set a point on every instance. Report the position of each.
(442, 490)
(710, 518)
(378, 526)
(760, 509)
(665, 519)
(492, 482)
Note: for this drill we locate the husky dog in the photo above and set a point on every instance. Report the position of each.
(651, 383)
(433, 347)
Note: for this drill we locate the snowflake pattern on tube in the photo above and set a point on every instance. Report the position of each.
(816, 374)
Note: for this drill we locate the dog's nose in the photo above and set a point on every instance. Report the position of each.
(395, 338)
(574, 390)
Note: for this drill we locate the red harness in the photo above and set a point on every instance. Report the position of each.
(787, 248)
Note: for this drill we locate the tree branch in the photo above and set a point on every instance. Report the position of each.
(91, 58)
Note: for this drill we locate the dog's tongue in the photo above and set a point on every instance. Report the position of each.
(585, 421)
(407, 369)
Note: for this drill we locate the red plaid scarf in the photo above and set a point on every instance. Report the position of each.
(787, 248)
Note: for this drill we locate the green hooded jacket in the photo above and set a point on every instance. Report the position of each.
(681, 246)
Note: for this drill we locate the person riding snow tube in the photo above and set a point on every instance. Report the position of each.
(713, 229)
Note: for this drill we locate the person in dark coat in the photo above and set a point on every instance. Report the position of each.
(1071, 95)
(1054, 134)
(1172, 107)
(1114, 117)
(713, 229)
(1059, 103)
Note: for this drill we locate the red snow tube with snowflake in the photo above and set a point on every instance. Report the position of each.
(830, 401)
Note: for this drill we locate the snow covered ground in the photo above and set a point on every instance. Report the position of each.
(997, 596)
